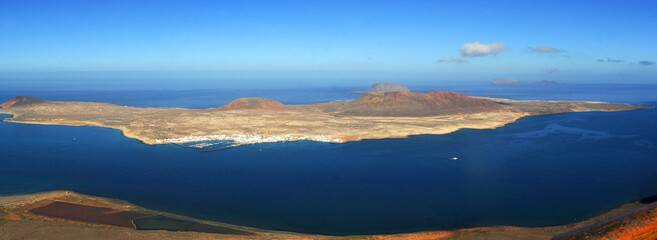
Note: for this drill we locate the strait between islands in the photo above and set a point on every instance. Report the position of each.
(375, 115)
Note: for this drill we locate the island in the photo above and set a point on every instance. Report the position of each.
(374, 115)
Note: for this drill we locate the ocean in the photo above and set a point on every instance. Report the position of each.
(540, 171)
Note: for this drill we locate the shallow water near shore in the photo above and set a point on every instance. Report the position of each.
(540, 171)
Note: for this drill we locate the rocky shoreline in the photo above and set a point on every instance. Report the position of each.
(244, 139)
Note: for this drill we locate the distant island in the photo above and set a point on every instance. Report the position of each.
(375, 115)
(511, 81)
(385, 87)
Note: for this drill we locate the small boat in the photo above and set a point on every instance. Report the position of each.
(455, 158)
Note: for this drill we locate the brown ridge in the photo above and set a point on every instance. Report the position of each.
(21, 101)
(253, 103)
(415, 104)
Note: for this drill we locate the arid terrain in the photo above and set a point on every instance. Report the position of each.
(375, 115)
(69, 215)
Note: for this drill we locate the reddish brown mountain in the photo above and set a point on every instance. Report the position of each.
(456, 100)
(21, 101)
(415, 104)
(253, 103)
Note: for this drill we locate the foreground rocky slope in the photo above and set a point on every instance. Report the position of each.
(73, 216)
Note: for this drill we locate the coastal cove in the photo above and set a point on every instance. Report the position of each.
(539, 171)
(328, 120)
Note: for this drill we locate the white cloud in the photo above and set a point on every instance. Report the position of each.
(477, 49)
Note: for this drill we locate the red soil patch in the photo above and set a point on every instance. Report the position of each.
(12, 217)
(637, 224)
(89, 214)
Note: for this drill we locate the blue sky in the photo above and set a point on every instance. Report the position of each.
(582, 41)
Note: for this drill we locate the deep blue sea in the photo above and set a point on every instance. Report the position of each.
(540, 171)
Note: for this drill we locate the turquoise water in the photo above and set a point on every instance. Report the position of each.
(540, 171)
